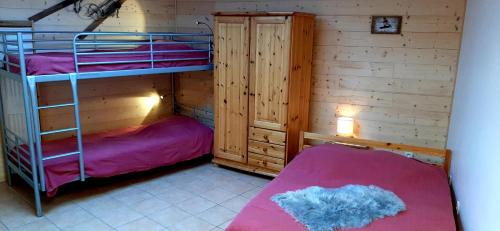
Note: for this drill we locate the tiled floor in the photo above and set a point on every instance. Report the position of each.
(190, 197)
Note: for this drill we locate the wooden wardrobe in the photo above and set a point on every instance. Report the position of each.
(263, 65)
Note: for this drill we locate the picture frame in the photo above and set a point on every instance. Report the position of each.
(386, 24)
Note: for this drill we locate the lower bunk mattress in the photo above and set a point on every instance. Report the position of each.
(133, 149)
(423, 188)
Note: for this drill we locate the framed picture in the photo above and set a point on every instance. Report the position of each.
(386, 24)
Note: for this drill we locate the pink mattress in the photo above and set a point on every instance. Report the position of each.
(63, 62)
(424, 189)
(134, 149)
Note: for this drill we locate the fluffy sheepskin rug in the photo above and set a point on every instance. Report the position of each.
(350, 206)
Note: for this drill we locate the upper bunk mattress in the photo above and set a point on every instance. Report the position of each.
(63, 62)
(134, 149)
(423, 188)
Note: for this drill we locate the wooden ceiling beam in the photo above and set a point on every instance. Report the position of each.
(51, 10)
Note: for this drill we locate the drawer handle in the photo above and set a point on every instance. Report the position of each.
(266, 137)
(264, 149)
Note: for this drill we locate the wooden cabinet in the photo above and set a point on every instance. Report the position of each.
(262, 86)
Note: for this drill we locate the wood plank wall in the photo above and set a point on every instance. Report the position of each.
(105, 103)
(398, 87)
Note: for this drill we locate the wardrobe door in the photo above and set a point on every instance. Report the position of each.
(269, 71)
(231, 87)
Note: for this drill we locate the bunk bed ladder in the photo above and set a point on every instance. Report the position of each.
(39, 134)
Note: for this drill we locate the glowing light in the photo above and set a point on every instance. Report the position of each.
(345, 126)
(151, 101)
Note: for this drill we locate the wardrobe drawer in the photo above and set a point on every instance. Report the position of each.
(267, 136)
(267, 162)
(272, 150)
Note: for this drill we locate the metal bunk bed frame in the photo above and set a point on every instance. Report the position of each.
(22, 135)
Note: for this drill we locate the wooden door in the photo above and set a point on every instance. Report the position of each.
(231, 87)
(269, 71)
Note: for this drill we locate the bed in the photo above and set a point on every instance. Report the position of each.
(423, 187)
(166, 54)
(132, 149)
(30, 58)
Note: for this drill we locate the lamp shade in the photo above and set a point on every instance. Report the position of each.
(345, 126)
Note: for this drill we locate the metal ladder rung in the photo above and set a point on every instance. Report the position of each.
(61, 155)
(58, 131)
(56, 106)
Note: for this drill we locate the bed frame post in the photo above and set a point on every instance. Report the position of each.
(36, 126)
(4, 134)
(172, 83)
(301, 141)
(73, 79)
(29, 124)
(4, 138)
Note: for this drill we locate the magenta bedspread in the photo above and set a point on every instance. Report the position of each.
(134, 149)
(63, 62)
(424, 189)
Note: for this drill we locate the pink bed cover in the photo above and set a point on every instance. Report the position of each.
(133, 149)
(63, 62)
(423, 187)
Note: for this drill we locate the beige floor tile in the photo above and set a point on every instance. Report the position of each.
(196, 205)
(252, 193)
(217, 215)
(94, 225)
(225, 225)
(218, 195)
(100, 205)
(115, 217)
(70, 216)
(3, 227)
(204, 170)
(156, 186)
(255, 179)
(18, 215)
(14, 205)
(197, 186)
(169, 216)
(219, 177)
(192, 224)
(179, 177)
(39, 225)
(174, 195)
(133, 197)
(57, 205)
(196, 189)
(123, 192)
(6, 194)
(149, 206)
(101, 201)
(238, 187)
(143, 224)
(236, 204)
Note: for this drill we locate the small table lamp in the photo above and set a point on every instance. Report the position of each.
(345, 126)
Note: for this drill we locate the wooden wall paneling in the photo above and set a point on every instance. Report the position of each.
(399, 87)
(231, 88)
(107, 104)
(194, 96)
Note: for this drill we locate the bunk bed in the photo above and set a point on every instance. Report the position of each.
(30, 58)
